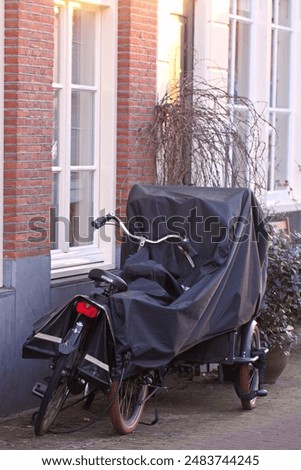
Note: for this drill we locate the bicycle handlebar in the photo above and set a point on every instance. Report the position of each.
(184, 245)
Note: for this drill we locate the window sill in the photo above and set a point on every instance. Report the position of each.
(69, 280)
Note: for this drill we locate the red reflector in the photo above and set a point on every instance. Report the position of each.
(86, 309)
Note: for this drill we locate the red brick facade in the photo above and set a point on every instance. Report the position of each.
(137, 52)
(28, 111)
(28, 103)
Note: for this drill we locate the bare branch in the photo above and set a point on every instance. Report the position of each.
(203, 136)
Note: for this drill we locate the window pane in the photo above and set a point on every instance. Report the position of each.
(82, 128)
(57, 26)
(240, 172)
(283, 69)
(281, 151)
(178, 49)
(242, 59)
(81, 207)
(270, 185)
(272, 69)
(83, 44)
(54, 212)
(55, 130)
(244, 8)
(284, 12)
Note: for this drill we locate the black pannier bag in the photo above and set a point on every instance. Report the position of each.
(49, 331)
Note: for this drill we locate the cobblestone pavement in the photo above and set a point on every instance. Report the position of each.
(198, 414)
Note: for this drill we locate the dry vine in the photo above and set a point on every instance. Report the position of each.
(203, 136)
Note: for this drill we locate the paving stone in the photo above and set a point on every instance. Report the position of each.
(193, 414)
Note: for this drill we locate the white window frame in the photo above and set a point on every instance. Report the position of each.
(281, 197)
(211, 27)
(77, 260)
(235, 18)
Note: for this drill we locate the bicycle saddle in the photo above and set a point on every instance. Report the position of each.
(100, 275)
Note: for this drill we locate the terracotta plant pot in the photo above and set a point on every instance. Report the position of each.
(276, 361)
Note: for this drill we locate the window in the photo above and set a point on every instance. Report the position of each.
(239, 77)
(178, 49)
(175, 38)
(280, 113)
(174, 66)
(240, 47)
(81, 135)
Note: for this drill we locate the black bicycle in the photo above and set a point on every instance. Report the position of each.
(188, 293)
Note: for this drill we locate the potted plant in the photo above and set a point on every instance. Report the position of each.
(282, 303)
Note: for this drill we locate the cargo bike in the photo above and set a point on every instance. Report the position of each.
(188, 293)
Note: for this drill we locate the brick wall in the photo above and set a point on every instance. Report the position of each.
(28, 105)
(28, 114)
(137, 53)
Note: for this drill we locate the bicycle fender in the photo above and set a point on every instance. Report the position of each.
(246, 338)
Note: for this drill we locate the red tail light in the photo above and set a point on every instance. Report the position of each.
(86, 309)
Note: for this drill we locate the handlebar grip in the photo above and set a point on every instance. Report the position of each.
(99, 222)
(186, 245)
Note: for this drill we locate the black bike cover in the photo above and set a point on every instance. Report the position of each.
(171, 306)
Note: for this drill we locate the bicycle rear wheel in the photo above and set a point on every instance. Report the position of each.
(248, 374)
(56, 393)
(128, 403)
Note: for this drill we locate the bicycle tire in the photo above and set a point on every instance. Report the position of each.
(56, 393)
(249, 374)
(128, 403)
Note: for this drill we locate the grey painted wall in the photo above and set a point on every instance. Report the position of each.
(28, 296)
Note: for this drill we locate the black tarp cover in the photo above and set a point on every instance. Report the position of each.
(152, 320)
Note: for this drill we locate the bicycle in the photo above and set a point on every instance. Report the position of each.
(87, 342)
